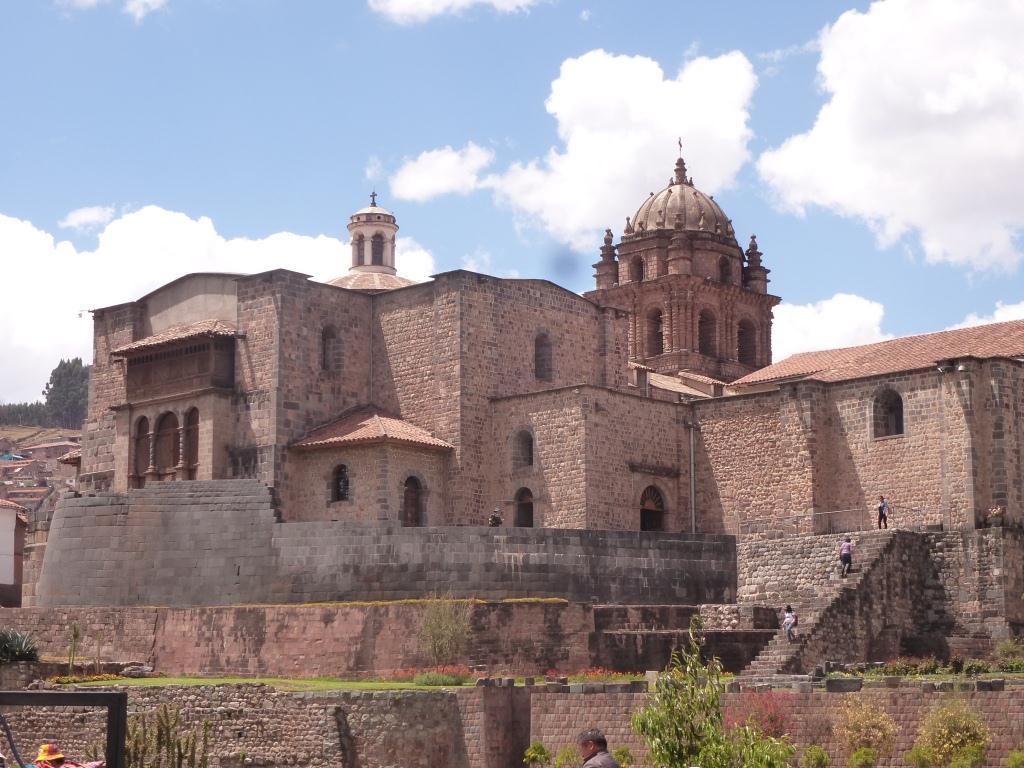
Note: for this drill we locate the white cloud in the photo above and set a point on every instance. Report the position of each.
(921, 134)
(845, 320)
(618, 118)
(441, 172)
(1001, 314)
(136, 253)
(139, 9)
(85, 219)
(585, 14)
(413, 11)
(478, 261)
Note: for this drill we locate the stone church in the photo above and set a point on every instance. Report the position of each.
(648, 403)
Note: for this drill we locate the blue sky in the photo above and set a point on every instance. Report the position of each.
(193, 134)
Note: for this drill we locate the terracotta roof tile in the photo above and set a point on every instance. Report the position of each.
(909, 353)
(8, 504)
(179, 333)
(674, 384)
(71, 457)
(369, 425)
(693, 376)
(370, 281)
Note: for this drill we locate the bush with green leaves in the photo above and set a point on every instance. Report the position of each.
(537, 755)
(1010, 648)
(445, 628)
(1010, 665)
(17, 646)
(1015, 758)
(863, 757)
(567, 757)
(862, 724)
(952, 733)
(683, 723)
(918, 757)
(975, 667)
(814, 757)
(623, 757)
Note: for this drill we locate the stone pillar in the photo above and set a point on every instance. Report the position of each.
(179, 470)
(151, 472)
(606, 271)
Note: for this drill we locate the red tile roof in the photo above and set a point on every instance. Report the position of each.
(909, 353)
(53, 444)
(370, 281)
(179, 333)
(674, 384)
(693, 376)
(8, 504)
(369, 425)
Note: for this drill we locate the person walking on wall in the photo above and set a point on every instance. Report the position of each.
(594, 749)
(789, 623)
(883, 513)
(846, 555)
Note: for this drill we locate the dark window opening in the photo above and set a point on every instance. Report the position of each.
(377, 249)
(888, 415)
(724, 270)
(412, 500)
(542, 362)
(168, 444)
(330, 350)
(192, 443)
(636, 270)
(141, 450)
(359, 250)
(655, 335)
(652, 510)
(524, 508)
(339, 484)
(522, 450)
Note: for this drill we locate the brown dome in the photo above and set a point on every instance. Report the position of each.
(370, 281)
(680, 205)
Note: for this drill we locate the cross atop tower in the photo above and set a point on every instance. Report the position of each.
(373, 198)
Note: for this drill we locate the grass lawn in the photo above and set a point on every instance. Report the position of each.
(281, 683)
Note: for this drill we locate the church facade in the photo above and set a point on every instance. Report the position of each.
(648, 403)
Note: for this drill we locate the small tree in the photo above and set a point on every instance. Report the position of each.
(951, 734)
(537, 755)
(683, 722)
(446, 628)
(623, 757)
(861, 724)
(76, 635)
(567, 757)
(814, 757)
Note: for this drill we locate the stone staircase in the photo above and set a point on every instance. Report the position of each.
(806, 575)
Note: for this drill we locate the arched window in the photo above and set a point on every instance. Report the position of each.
(141, 450)
(412, 503)
(888, 414)
(330, 350)
(192, 443)
(652, 510)
(724, 270)
(522, 449)
(746, 343)
(168, 445)
(377, 249)
(636, 270)
(655, 336)
(359, 250)
(707, 334)
(524, 508)
(542, 363)
(339, 483)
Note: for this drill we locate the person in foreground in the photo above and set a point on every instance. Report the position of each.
(594, 748)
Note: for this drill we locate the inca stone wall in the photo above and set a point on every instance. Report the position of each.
(216, 543)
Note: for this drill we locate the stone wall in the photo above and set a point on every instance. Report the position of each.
(215, 543)
(556, 718)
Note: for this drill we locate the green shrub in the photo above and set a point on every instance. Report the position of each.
(900, 667)
(1010, 664)
(918, 757)
(951, 731)
(537, 755)
(1010, 648)
(814, 757)
(17, 646)
(972, 756)
(623, 757)
(439, 678)
(861, 724)
(567, 757)
(975, 667)
(929, 665)
(1015, 758)
(864, 757)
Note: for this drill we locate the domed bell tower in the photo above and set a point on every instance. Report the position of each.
(697, 302)
(373, 232)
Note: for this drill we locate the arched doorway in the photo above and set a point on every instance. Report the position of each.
(141, 451)
(412, 504)
(192, 443)
(524, 508)
(652, 510)
(707, 334)
(168, 447)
